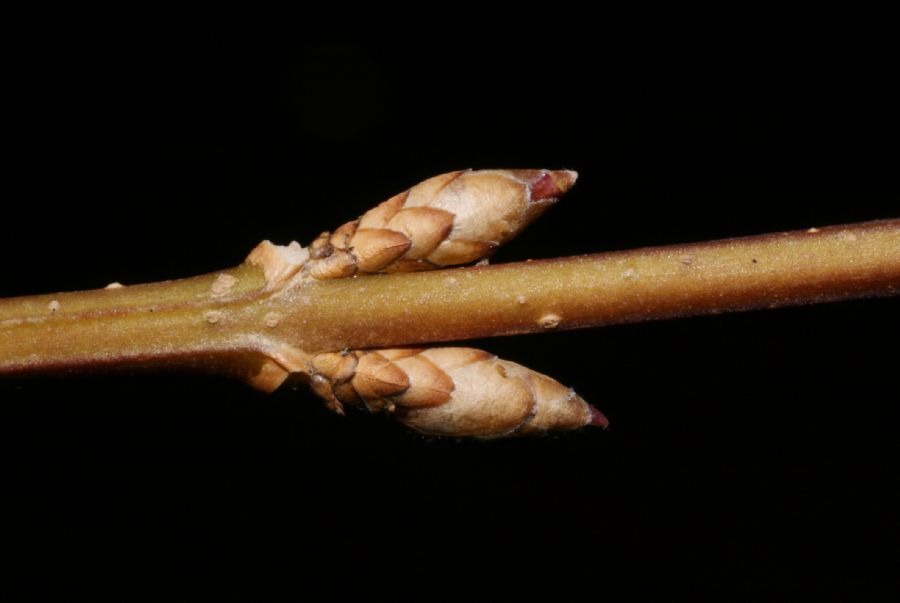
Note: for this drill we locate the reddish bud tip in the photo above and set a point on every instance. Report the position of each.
(598, 419)
(552, 184)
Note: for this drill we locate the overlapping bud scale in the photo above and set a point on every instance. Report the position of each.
(451, 219)
(451, 391)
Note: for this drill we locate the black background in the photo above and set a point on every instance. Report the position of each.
(751, 456)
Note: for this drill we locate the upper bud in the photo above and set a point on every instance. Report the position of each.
(454, 218)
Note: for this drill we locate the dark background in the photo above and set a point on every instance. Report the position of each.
(751, 457)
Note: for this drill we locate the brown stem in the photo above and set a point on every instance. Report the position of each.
(160, 323)
(232, 323)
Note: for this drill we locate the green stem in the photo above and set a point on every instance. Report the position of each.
(233, 324)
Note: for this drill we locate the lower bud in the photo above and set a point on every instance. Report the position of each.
(453, 392)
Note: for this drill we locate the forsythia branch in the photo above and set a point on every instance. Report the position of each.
(326, 315)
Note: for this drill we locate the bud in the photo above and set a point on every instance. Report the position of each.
(454, 218)
(451, 391)
(278, 262)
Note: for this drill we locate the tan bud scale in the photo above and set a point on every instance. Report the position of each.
(449, 391)
(454, 218)
(375, 248)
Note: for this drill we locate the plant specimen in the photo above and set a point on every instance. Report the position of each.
(345, 313)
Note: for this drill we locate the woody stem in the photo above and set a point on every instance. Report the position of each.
(189, 323)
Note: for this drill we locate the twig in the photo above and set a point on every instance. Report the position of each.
(273, 316)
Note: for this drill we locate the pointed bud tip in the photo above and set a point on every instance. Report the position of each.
(565, 179)
(551, 184)
(598, 419)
